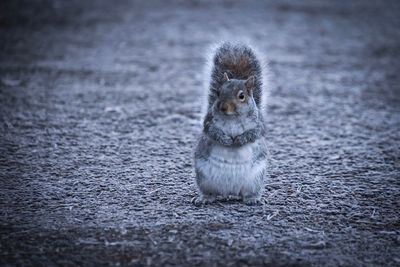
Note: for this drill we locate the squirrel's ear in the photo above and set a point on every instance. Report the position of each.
(226, 78)
(250, 83)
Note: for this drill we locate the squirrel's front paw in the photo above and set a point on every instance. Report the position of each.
(225, 140)
(247, 137)
(202, 200)
(239, 140)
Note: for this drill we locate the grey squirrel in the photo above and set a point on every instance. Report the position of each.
(231, 155)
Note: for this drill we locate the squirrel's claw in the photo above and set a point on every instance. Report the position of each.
(201, 200)
(253, 201)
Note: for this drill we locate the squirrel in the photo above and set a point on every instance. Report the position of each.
(230, 158)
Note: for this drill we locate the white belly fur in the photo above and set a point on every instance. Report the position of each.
(230, 171)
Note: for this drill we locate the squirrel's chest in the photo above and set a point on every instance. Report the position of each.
(230, 127)
(231, 156)
(235, 127)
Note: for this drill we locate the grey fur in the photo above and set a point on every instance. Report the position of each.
(247, 137)
(203, 148)
(215, 133)
(230, 158)
(252, 134)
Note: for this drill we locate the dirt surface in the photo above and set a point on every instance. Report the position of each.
(100, 110)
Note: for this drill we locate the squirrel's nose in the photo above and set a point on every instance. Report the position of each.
(224, 107)
(227, 108)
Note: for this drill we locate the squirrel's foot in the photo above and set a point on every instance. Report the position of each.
(232, 197)
(253, 201)
(202, 200)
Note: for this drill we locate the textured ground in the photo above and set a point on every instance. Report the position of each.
(100, 109)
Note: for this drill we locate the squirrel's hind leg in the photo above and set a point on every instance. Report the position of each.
(253, 196)
(253, 191)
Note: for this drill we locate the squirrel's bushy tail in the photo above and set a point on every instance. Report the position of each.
(239, 62)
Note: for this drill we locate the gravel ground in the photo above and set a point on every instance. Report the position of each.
(100, 111)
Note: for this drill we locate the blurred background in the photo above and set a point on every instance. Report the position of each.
(100, 109)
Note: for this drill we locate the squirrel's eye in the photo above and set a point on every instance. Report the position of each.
(241, 96)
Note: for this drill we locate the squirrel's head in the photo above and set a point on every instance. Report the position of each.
(235, 97)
